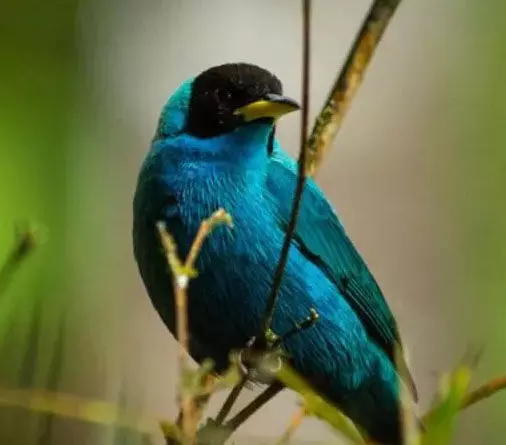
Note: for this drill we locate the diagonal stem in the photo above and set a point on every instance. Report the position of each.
(278, 276)
(348, 81)
(295, 422)
(231, 399)
(301, 179)
(272, 390)
(182, 272)
(486, 390)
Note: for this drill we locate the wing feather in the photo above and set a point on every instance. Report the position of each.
(322, 238)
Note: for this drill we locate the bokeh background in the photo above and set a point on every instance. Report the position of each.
(417, 174)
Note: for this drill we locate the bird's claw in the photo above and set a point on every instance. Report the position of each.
(263, 357)
(260, 366)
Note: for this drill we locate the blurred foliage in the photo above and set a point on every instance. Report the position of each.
(473, 188)
(37, 87)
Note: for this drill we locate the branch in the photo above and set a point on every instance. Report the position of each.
(219, 217)
(349, 80)
(182, 273)
(267, 395)
(292, 427)
(455, 396)
(231, 399)
(484, 392)
(278, 276)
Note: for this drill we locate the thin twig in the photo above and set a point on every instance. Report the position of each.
(484, 391)
(230, 401)
(206, 227)
(180, 282)
(347, 83)
(278, 276)
(218, 434)
(182, 273)
(243, 415)
(292, 427)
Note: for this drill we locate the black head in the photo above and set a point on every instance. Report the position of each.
(220, 96)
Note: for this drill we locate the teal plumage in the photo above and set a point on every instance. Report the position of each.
(197, 165)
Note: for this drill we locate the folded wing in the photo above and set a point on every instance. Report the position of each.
(322, 238)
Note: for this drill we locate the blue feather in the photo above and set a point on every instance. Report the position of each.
(322, 236)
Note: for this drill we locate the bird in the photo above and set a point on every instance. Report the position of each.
(215, 147)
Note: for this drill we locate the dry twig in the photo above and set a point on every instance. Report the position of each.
(182, 273)
(292, 427)
(484, 391)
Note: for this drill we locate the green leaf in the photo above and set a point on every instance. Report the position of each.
(440, 421)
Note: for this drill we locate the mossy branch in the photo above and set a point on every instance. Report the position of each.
(348, 81)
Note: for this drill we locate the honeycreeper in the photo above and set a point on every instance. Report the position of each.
(215, 147)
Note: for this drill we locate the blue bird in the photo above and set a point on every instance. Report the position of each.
(215, 147)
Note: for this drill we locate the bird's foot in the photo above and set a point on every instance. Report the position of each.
(263, 357)
(260, 365)
(260, 361)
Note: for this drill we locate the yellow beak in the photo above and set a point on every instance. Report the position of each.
(271, 106)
